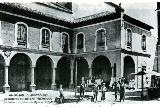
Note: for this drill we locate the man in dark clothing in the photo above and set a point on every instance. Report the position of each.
(95, 91)
(82, 90)
(116, 89)
(122, 91)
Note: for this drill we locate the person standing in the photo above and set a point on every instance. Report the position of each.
(103, 90)
(116, 89)
(61, 94)
(82, 86)
(95, 92)
(122, 91)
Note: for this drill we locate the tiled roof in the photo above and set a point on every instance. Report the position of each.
(55, 5)
(92, 17)
(21, 6)
(76, 20)
(72, 20)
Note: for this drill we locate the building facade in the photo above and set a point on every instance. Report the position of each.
(43, 45)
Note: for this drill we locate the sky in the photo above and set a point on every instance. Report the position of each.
(143, 11)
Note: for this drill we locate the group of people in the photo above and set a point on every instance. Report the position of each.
(100, 89)
(119, 88)
(131, 84)
(96, 90)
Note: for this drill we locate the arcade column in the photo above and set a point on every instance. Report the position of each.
(71, 68)
(6, 85)
(32, 85)
(90, 71)
(53, 85)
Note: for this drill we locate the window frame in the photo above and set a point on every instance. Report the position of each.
(41, 36)
(69, 51)
(128, 43)
(84, 47)
(142, 43)
(16, 35)
(105, 41)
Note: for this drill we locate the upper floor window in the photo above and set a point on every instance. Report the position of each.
(80, 41)
(65, 42)
(45, 38)
(143, 42)
(22, 34)
(100, 37)
(129, 38)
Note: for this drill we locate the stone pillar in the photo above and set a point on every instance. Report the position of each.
(53, 85)
(113, 78)
(95, 43)
(105, 45)
(71, 68)
(90, 71)
(76, 74)
(84, 44)
(32, 85)
(6, 85)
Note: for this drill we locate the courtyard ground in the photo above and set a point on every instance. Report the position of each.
(46, 98)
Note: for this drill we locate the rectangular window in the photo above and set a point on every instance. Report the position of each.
(144, 43)
(65, 43)
(45, 38)
(101, 38)
(80, 41)
(129, 38)
(22, 34)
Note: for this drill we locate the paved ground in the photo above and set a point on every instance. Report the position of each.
(47, 98)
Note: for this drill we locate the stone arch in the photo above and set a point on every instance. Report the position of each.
(2, 70)
(63, 72)
(81, 66)
(129, 67)
(43, 73)
(19, 72)
(101, 68)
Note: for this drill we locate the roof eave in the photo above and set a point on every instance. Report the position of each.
(137, 22)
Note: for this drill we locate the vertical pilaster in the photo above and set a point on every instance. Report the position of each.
(6, 85)
(53, 85)
(95, 43)
(90, 71)
(84, 43)
(105, 46)
(76, 74)
(71, 68)
(32, 85)
(113, 79)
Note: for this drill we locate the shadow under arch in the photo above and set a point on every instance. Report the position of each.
(19, 72)
(63, 72)
(2, 70)
(82, 67)
(101, 68)
(129, 67)
(43, 73)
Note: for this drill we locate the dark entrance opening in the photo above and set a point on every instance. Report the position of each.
(129, 67)
(63, 72)
(19, 78)
(101, 68)
(43, 73)
(2, 64)
(81, 66)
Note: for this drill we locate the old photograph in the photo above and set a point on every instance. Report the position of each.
(77, 53)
